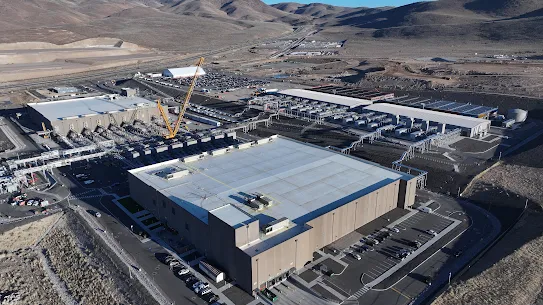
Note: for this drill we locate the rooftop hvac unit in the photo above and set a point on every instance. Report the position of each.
(244, 145)
(253, 203)
(178, 174)
(276, 225)
(267, 201)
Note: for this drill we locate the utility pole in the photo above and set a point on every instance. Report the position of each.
(450, 273)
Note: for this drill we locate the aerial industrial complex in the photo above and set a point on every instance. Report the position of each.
(265, 207)
(252, 205)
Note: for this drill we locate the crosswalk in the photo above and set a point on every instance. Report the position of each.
(359, 293)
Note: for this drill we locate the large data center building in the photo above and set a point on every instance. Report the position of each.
(259, 210)
(63, 116)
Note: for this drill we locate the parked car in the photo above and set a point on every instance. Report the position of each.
(368, 248)
(458, 253)
(183, 271)
(213, 298)
(416, 244)
(189, 279)
(356, 256)
(205, 291)
(97, 214)
(431, 232)
(395, 230)
(370, 242)
(196, 284)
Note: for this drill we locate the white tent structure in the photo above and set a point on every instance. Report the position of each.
(182, 72)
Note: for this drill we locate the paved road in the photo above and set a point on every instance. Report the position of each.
(484, 228)
(118, 224)
(130, 70)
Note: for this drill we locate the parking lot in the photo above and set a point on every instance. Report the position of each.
(377, 259)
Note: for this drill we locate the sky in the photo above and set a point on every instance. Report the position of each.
(354, 3)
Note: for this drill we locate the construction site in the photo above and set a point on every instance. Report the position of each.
(295, 183)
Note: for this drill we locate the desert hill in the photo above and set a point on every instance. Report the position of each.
(64, 21)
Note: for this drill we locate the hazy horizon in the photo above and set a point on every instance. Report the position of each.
(351, 3)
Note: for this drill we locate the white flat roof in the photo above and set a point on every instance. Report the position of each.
(326, 97)
(73, 108)
(303, 180)
(184, 72)
(429, 115)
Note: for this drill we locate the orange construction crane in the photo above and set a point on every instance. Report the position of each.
(172, 132)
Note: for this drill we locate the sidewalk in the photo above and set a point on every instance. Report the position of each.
(172, 252)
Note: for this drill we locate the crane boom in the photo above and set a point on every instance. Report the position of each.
(173, 132)
(187, 97)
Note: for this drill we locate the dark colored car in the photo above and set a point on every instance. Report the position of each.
(416, 244)
(457, 253)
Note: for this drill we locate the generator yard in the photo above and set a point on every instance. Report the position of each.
(190, 150)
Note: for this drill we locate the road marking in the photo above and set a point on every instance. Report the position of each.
(401, 293)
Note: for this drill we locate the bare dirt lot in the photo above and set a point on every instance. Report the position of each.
(70, 265)
(512, 271)
(90, 273)
(31, 60)
(21, 274)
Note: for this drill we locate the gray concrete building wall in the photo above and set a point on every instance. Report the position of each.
(77, 124)
(220, 242)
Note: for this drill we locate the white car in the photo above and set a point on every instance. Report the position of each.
(394, 229)
(97, 214)
(431, 232)
(183, 271)
(205, 291)
(356, 256)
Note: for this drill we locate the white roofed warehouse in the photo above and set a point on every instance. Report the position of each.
(470, 126)
(183, 72)
(259, 210)
(88, 113)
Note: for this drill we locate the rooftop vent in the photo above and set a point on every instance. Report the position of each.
(276, 225)
(253, 203)
(267, 201)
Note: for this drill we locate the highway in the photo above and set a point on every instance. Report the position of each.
(129, 71)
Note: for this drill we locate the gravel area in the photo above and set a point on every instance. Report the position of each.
(512, 271)
(90, 273)
(21, 274)
(5, 143)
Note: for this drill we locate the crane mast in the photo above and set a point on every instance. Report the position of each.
(172, 132)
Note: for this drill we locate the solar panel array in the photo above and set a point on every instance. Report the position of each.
(445, 106)
(371, 95)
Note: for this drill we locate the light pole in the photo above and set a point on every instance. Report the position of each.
(450, 273)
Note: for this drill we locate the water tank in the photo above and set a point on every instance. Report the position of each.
(518, 115)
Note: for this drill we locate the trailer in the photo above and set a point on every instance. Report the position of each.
(214, 273)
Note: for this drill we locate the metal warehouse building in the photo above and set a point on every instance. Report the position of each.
(88, 113)
(470, 126)
(350, 102)
(258, 211)
(183, 72)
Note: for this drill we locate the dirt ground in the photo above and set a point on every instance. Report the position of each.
(91, 274)
(21, 274)
(512, 271)
(82, 268)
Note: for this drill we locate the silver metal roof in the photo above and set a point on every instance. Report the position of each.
(304, 181)
(81, 107)
(326, 97)
(430, 115)
(183, 72)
